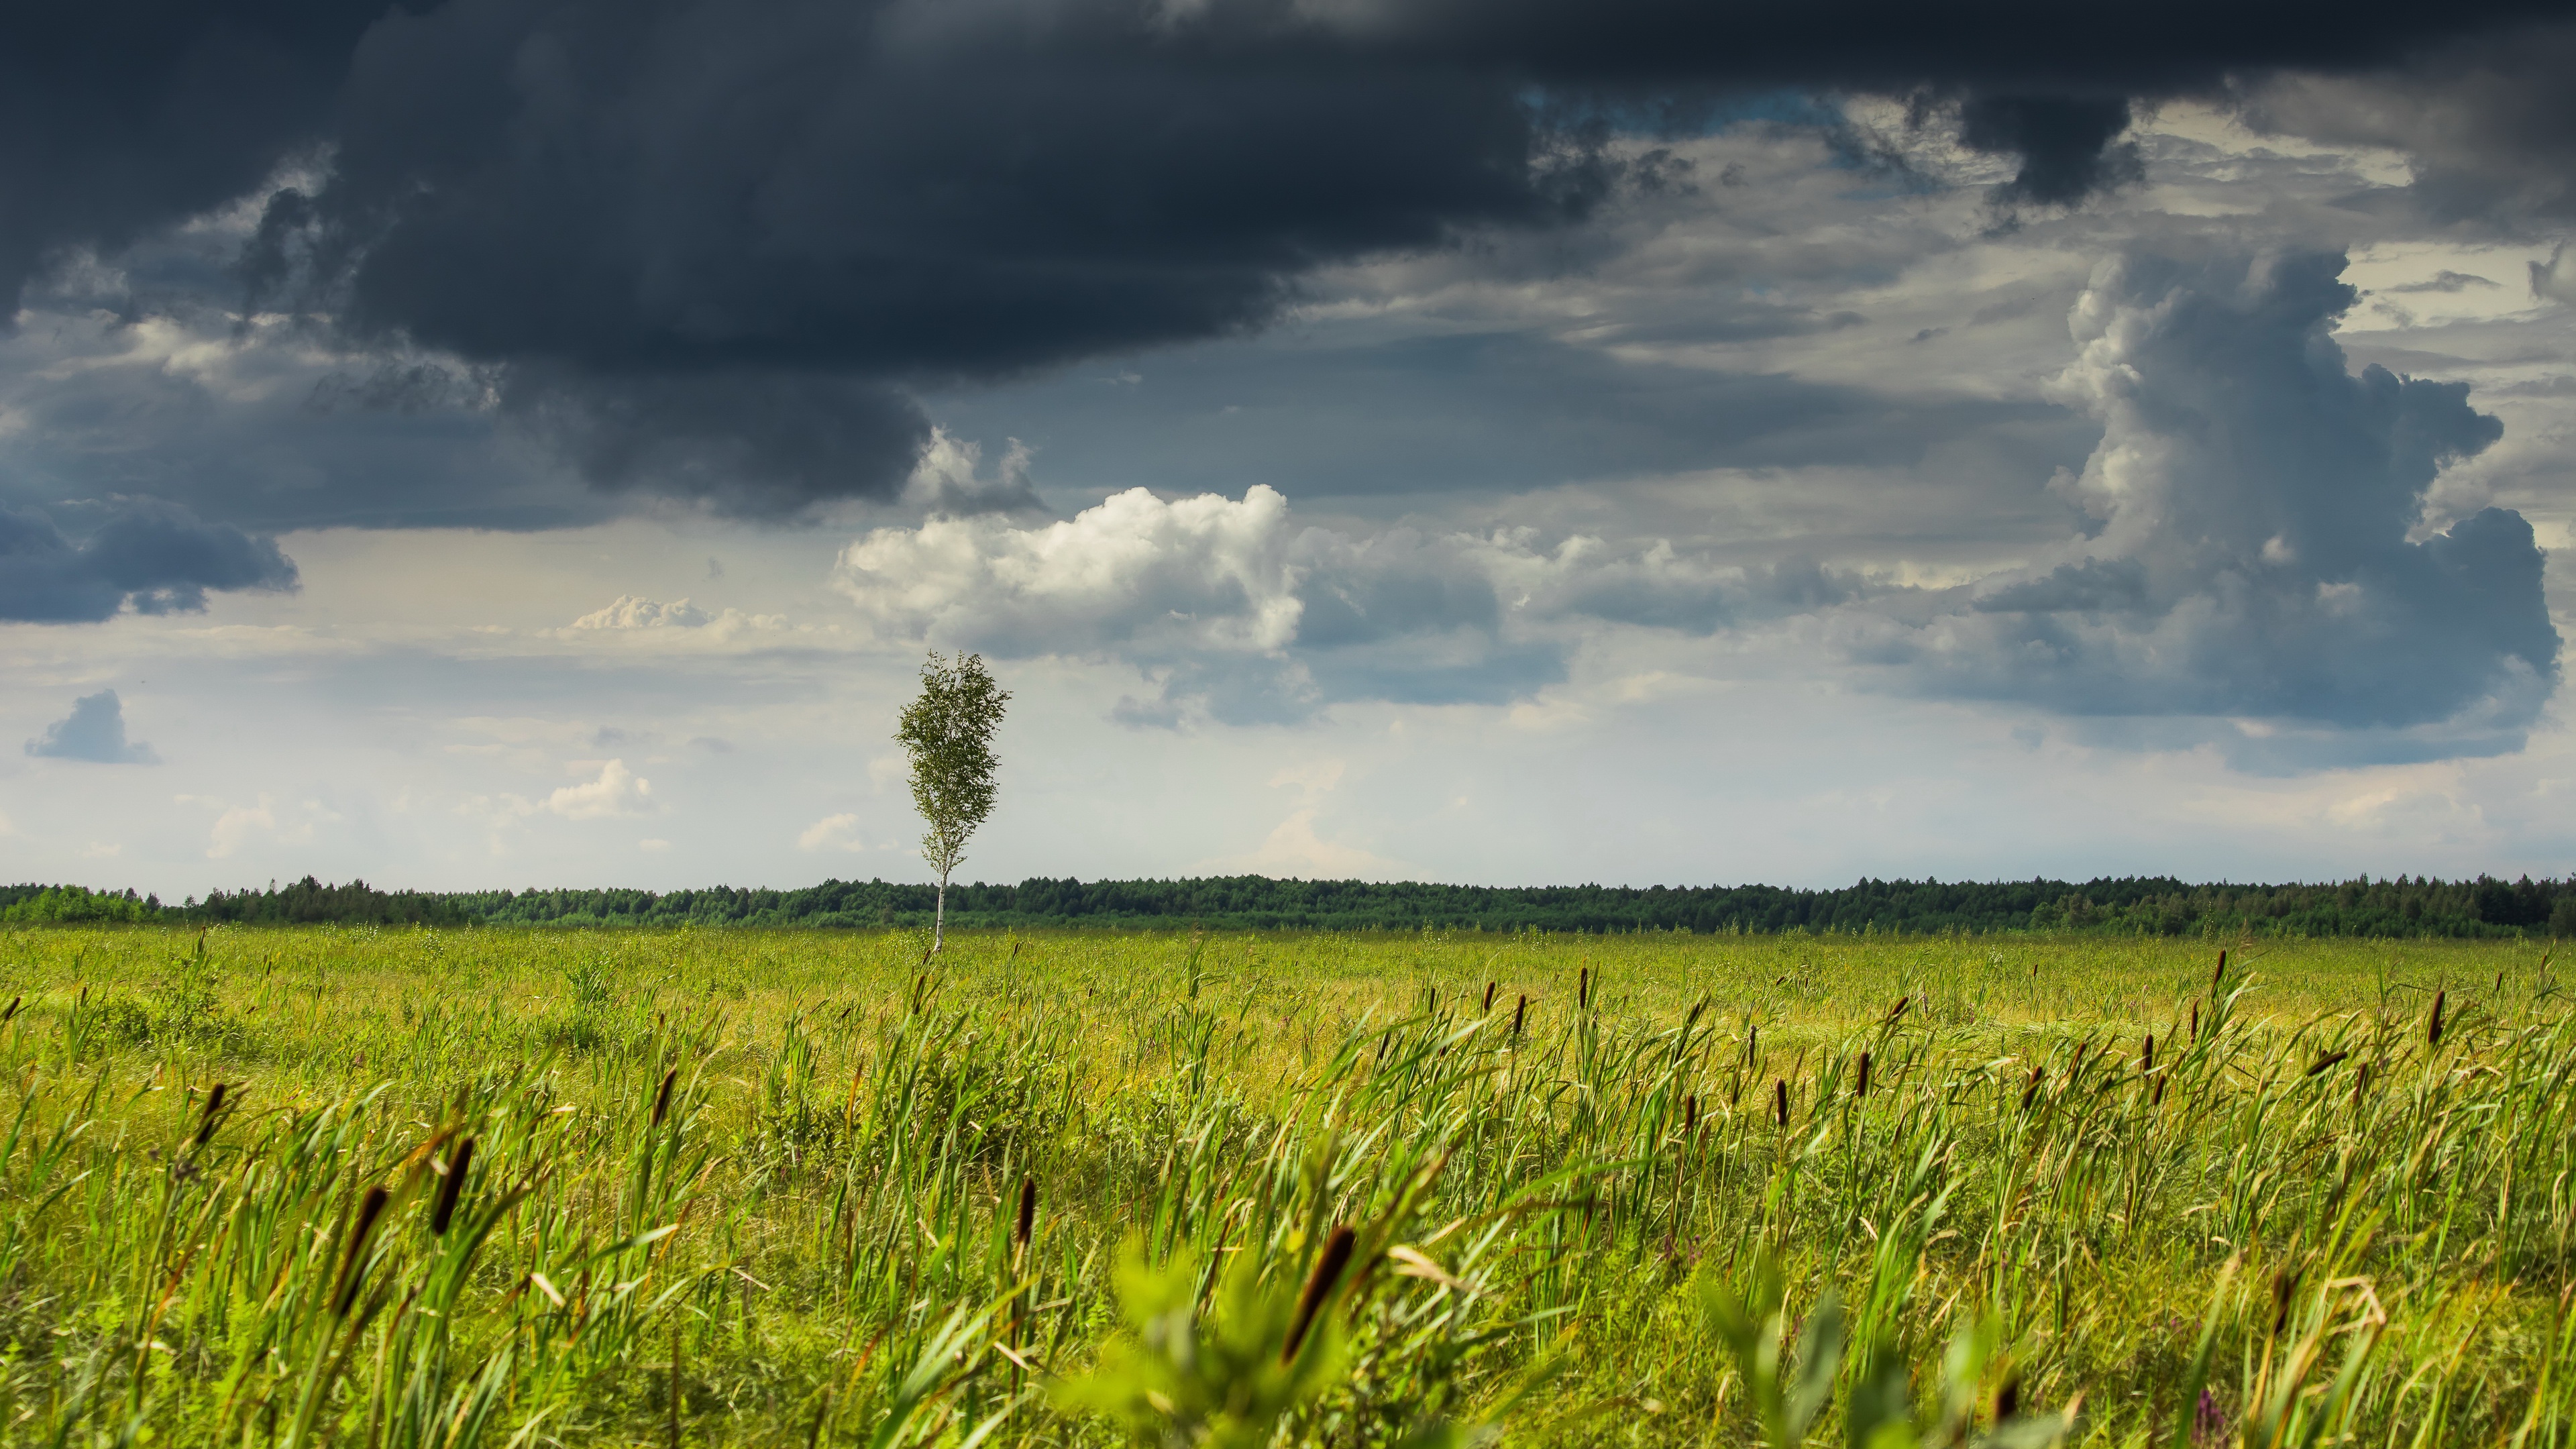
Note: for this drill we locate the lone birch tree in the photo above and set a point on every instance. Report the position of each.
(948, 733)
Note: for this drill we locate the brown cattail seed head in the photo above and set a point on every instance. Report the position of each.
(2195, 1018)
(1583, 989)
(2030, 1093)
(1028, 1212)
(1329, 1267)
(451, 1186)
(2147, 1054)
(370, 1208)
(1489, 995)
(214, 1105)
(1690, 1116)
(1780, 1100)
(1519, 1009)
(1861, 1088)
(2433, 1029)
(662, 1099)
(2218, 973)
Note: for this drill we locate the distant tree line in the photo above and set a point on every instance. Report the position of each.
(2128, 906)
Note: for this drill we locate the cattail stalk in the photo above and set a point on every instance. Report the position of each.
(1329, 1267)
(1583, 990)
(1780, 1100)
(662, 1099)
(2218, 974)
(1861, 1088)
(1518, 1011)
(1489, 997)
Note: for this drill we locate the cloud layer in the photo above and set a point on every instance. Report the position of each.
(717, 252)
(156, 557)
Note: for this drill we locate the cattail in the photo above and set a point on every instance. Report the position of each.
(1752, 1035)
(1583, 990)
(2008, 1399)
(2323, 1062)
(7, 1016)
(1690, 1116)
(1899, 1009)
(662, 1099)
(1780, 1100)
(370, 1207)
(1861, 1088)
(2147, 1055)
(2030, 1093)
(452, 1188)
(1329, 1267)
(2360, 1084)
(2156, 1098)
(2285, 1285)
(1489, 996)
(214, 1105)
(2218, 974)
(2195, 1019)
(2433, 1030)
(1518, 1011)
(1028, 1214)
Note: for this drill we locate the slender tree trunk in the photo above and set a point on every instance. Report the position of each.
(939, 917)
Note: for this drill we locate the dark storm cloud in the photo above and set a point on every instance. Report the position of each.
(658, 222)
(157, 557)
(122, 115)
(2489, 119)
(93, 731)
(762, 444)
(2254, 559)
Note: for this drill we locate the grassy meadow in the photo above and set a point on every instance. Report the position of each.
(492, 1187)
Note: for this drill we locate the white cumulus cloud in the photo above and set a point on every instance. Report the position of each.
(617, 791)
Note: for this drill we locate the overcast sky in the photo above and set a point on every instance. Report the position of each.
(503, 444)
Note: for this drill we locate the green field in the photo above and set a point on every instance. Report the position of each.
(745, 1187)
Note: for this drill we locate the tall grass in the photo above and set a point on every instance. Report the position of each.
(414, 1188)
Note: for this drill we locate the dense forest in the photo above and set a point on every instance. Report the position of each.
(2159, 906)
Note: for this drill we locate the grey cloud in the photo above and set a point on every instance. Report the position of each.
(2555, 279)
(2488, 119)
(2447, 282)
(157, 557)
(2068, 145)
(2255, 500)
(93, 731)
(760, 444)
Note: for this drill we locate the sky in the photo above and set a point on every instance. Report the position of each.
(497, 444)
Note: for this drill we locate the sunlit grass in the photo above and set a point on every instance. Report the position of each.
(752, 1187)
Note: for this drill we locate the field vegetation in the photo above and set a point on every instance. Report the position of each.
(415, 1187)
